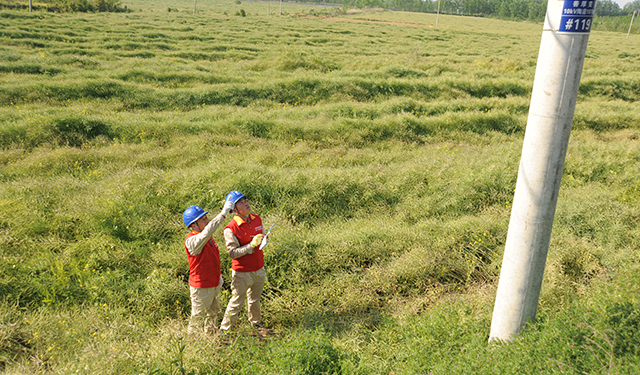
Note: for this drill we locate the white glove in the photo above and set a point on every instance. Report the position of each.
(227, 208)
(256, 240)
(221, 283)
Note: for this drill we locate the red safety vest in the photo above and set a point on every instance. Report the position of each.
(245, 232)
(204, 268)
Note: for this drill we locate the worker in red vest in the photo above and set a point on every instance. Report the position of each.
(205, 280)
(242, 237)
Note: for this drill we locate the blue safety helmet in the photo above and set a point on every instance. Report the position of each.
(191, 214)
(234, 196)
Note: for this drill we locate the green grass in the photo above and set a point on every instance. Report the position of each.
(386, 154)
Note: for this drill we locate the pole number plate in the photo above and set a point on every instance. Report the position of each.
(577, 16)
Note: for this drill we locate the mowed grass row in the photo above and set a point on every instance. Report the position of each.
(349, 124)
(302, 90)
(193, 51)
(385, 154)
(434, 67)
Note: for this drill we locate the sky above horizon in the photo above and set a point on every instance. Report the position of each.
(622, 2)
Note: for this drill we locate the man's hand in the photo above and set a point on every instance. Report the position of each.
(227, 208)
(256, 240)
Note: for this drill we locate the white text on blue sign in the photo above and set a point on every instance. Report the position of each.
(577, 16)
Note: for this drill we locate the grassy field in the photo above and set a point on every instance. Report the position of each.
(384, 149)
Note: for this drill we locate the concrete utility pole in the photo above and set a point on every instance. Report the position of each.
(194, 6)
(630, 24)
(280, 8)
(438, 14)
(555, 89)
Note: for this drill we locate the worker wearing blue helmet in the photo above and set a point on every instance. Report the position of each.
(242, 237)
(205, 279)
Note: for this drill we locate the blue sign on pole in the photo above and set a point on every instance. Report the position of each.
(577, 16)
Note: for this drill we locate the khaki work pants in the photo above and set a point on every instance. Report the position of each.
(243, 285)
(204, 309)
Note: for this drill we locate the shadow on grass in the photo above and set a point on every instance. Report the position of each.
(337, 320)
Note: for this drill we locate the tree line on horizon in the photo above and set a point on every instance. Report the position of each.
(70, 6)
(533, 10)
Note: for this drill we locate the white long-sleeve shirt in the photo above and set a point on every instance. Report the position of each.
(233, 245)
(196, 243)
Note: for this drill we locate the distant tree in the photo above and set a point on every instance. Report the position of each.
(476, 7)
(449, 6)
(630, 7)
(533, 10)
(503, 10)
(537, 10)
(369, 3)
(608, 8)
(107, 5)
(86, 5)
